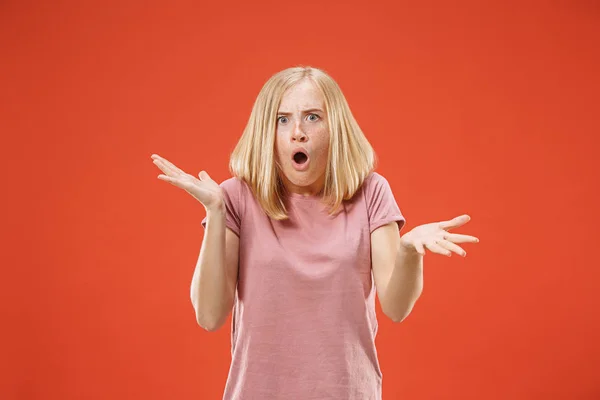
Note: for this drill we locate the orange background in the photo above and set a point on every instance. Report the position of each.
(483, 108)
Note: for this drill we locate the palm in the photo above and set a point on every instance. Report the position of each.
(435, 237)
(205, 190)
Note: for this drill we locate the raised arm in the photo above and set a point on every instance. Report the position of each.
(215, 276)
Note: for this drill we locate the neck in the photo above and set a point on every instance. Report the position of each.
(313, 189)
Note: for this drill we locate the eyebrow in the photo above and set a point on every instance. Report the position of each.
(305, 111)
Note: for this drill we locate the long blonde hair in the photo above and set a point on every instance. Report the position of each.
(351, 156)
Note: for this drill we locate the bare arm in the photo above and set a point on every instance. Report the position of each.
(398, 274)
(215, 277)
(398, 261)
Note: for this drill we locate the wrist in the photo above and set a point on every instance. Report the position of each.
(217, 209)
(407, 248)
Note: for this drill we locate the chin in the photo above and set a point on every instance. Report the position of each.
(301, 180)
(304, 178)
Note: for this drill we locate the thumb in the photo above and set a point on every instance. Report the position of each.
(203, 176)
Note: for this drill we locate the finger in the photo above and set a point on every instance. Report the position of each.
(457, 238)
(420, 248)
(452, 247)
(436, 248)
(156, 157)
(168, 169)
(455, 222)
(176, 181)
(167, 178)
(169, 164)
(161, 166)
(203, 175)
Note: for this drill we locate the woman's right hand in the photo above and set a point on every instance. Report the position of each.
(205, 190)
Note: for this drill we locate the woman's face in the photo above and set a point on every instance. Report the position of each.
(302, 138)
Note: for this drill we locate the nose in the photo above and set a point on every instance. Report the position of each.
(298, 135)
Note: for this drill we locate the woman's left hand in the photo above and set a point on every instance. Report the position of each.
(436, 238)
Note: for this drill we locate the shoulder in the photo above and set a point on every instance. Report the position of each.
(382, 207)
(375, 178)
(235, 187)
(232, 183)
(236, 193)
(374, 183)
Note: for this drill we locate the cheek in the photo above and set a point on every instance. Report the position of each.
(324, 145)
(324, 154)
(279, 145)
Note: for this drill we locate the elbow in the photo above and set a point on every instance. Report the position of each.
(211, 315)
(397, 318)
(394, 315)
(210, 327)
(209, 320)
(209, 324)
(399, 315)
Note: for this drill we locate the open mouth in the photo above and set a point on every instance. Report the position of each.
(300, 157)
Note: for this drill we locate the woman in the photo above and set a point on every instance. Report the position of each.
(299, 241)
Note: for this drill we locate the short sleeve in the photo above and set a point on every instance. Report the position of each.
(381, 204)
(232, 192)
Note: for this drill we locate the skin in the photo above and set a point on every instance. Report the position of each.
(215, 277)
(302, 122)
(397, 262)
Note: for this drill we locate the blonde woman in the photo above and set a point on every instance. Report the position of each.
(299, 242)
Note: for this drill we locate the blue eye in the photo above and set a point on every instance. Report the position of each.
(279, 119)
(315, 116)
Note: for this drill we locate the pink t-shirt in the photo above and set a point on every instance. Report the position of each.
(304, 323)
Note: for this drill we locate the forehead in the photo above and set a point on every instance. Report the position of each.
(304, 95)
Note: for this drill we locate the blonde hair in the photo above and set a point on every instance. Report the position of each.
(351, 156)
